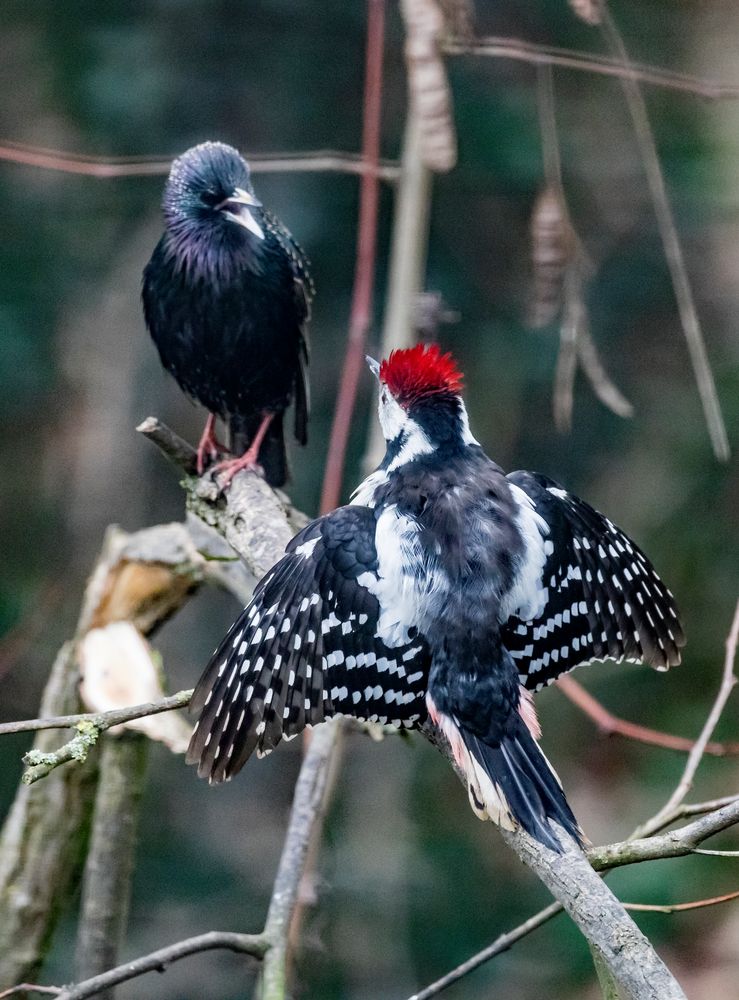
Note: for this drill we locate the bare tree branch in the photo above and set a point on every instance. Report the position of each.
(501, 944)
(502, 47)
(157, 961)
(678, 843)
(697, 904)
(728, 680)
(307, 811)
(321, 161)
(100, 720)
(53, 991)
(614, 725)
(109, 864)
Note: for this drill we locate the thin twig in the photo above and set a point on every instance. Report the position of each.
(671, 245)
(677, 843)
(247, 944)
(680, 907)
(100, 720)
(728, 680)
(53, 991)
(502, 47)
(614, 725)
(364, 273)
(320, 161)
(501, 944)
(180, 452)
(674, 844)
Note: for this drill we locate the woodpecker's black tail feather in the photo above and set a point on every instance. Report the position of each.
(272, 454)
(525, 782)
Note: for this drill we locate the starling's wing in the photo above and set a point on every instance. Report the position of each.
(303, 291)
(593, 594)
(309, 645)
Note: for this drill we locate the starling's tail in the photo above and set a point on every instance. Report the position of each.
(272, 454)
(514, 781)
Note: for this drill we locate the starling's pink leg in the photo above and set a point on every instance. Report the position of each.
(209, 446)
(248, 460)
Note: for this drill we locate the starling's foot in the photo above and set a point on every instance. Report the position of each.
(248, 460)
(227, 470)
(209, 447)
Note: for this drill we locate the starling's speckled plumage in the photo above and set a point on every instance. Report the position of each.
(227, 301)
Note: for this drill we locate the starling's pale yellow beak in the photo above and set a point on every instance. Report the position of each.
(236, 208)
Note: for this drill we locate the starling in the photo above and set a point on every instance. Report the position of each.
(227, 297)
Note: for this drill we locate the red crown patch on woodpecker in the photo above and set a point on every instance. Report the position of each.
(420, 371)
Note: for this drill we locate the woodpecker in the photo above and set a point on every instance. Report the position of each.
(227, 297)
(445, 590)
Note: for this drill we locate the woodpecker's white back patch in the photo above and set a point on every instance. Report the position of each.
(603, 598)
(408, 578)
(528, 595)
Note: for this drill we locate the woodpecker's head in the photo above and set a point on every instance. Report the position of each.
(421, 408)
(210, 208)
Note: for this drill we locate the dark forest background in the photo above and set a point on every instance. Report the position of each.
(410, 883)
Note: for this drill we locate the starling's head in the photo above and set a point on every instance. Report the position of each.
(209, 191)
(421, 407)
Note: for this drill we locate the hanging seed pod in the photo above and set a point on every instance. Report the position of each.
(589, 11)
(427, 81)
(553, 246)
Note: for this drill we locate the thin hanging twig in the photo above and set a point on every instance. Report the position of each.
(671, 245)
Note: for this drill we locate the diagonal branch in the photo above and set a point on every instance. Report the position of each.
(728, 680)
(613, 725)
(157, 961)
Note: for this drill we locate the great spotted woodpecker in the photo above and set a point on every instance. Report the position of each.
(446, 589)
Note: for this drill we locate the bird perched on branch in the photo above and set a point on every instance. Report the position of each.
(227, 300)
(445, 591)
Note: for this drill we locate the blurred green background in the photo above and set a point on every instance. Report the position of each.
(410, 883)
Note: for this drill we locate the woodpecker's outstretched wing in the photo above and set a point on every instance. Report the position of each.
(600, 596)
(310, 644)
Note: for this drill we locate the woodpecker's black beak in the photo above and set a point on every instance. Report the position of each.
(374, 366)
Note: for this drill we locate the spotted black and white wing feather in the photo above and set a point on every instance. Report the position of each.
(600, 597)
(308, 646)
